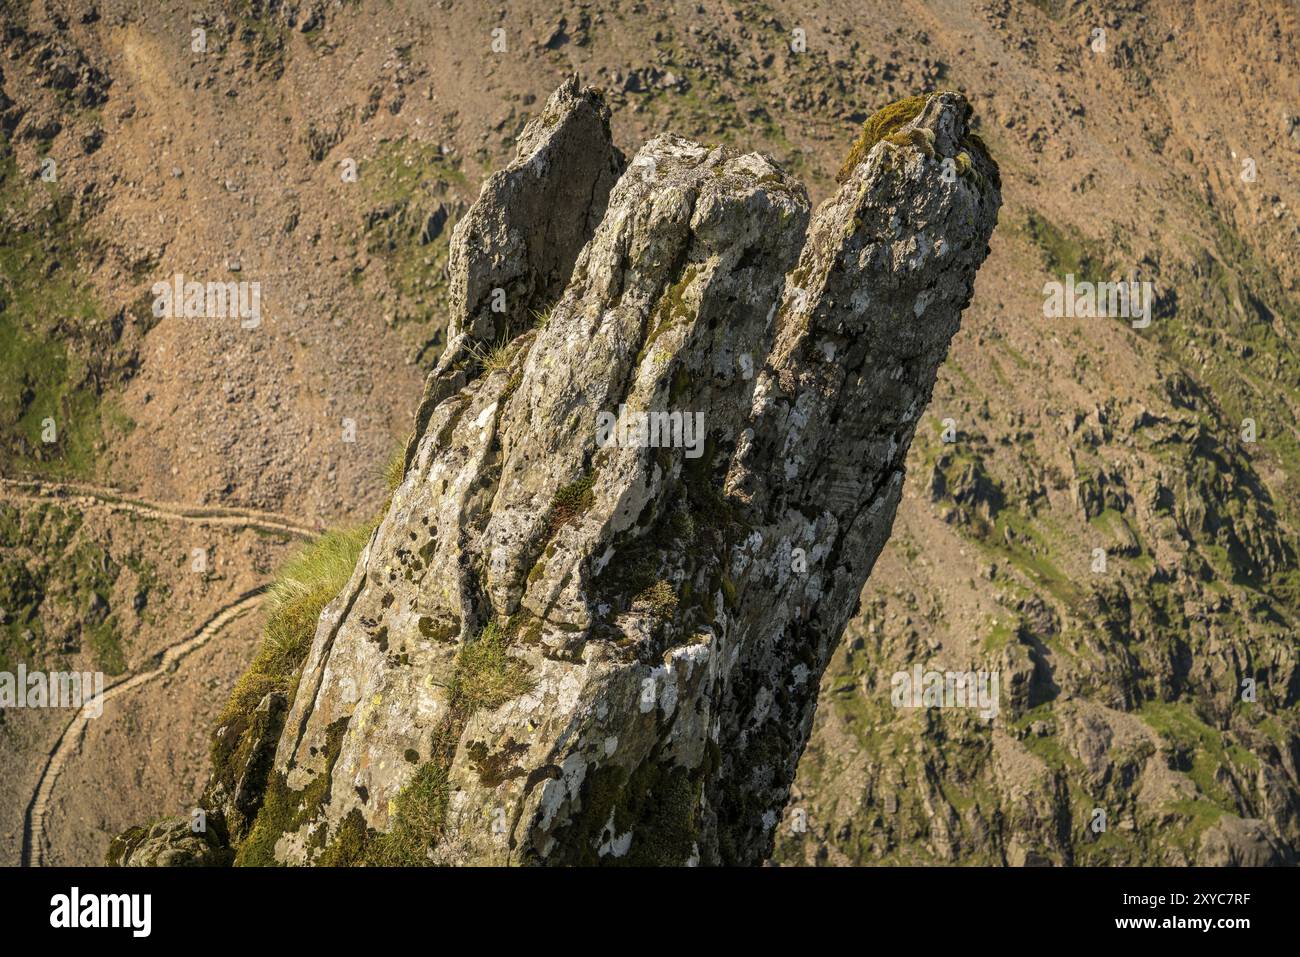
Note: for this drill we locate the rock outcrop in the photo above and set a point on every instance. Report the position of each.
(513, 252)
(639, 505)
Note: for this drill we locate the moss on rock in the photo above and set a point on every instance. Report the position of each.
(881, 124)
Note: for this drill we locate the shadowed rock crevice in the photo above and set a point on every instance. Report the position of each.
(623, 549)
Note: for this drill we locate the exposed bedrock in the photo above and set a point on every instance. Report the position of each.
(639, 505)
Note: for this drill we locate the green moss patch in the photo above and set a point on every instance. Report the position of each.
(571, 501)
(486, 675)
(285, 810)
(881, 124)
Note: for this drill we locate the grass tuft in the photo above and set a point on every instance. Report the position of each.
(660, 598)
(542, 317)
(487, 677)
(495, 358)
(395, 469)
(419, 812)
(307, 583)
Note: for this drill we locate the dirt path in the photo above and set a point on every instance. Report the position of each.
(96, 496)
(70, 739)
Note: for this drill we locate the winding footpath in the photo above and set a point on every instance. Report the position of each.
(97, 496)
(92, 496)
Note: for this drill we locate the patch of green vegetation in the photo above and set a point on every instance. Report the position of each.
(1029, 551)
(305, 585)
(486, 675)
(885, 122)
(571, 501)
(285, 811)
(668, 311)
(1016, 356)
(1055, 9)
(47, 559)
(1001, 630)
(405, 181)
(21, 630)
(263, 35)
(56, 347)
(1229, 332)
(542, 317)
(1198, 743)
(1048, 747)
(493, 358)
(1200, 817)
(1065, 251)
(402, 168)
(660, 598)
(919, 139)
(105, 644)
(419, 812)
(974, 144)
(395, 469)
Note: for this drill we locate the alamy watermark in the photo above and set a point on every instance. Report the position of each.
(653, 430)
(54, 689)
(946, 689)
(75, 909)
(178, 299)
(1129, 299)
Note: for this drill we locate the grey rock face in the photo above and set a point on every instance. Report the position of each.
(169, 843)
(1242, 842)
(533, 217)
(512, 253)
(593, 620)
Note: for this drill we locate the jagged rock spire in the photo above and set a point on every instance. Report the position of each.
(591, 625)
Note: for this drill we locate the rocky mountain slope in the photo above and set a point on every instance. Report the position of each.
(629, 672)
(1162, 147)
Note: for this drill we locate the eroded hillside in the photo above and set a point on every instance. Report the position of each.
(1165, 152)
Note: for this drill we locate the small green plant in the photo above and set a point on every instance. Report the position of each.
(493, 358)
(395, 469)
(660, 599)
(542, 317)
(572, 500)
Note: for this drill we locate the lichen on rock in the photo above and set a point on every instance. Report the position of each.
(659, 612)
